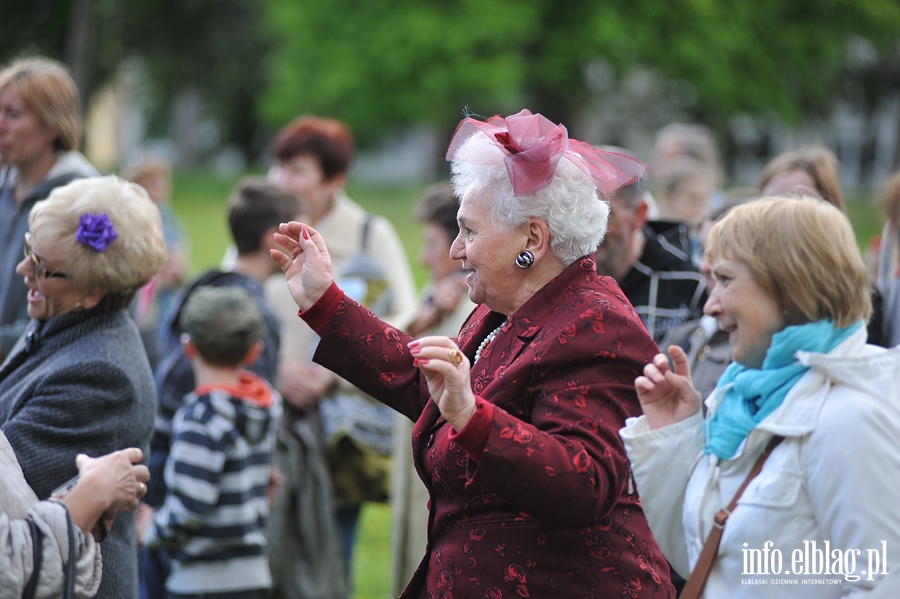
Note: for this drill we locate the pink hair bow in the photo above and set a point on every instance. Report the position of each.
(533, 146)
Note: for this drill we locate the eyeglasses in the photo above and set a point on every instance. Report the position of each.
(37, 267)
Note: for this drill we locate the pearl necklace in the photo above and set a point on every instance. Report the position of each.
(488, 339)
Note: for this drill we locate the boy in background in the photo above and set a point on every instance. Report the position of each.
(218, 470)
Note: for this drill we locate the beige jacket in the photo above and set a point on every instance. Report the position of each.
(17, 502)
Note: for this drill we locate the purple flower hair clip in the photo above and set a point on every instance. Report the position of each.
(96, 231)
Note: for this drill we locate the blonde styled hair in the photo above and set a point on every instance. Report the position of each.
(129, 262)
(803, 251)
(49, 91)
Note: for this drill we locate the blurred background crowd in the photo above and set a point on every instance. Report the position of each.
(723, 102)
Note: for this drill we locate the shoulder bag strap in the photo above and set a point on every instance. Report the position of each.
(364, 240)
(37, 550)
(697, 580)
(69, 582)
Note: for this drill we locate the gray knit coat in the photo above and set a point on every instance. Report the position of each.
(80, 383)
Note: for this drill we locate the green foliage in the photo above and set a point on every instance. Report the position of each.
(379, 65)
(212, 46)
(382, 65)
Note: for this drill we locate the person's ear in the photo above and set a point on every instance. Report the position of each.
(640, 215)
(91, 300)
(253, 352)
(537, 239)
(267, 242)
(187, 345)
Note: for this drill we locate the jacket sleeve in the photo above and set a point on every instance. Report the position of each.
(17, 557)
(193, 473)
(368, 352)
(852, 467)
(662, 461)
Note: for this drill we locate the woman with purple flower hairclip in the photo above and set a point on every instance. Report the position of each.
(78, 380)
(516, 419)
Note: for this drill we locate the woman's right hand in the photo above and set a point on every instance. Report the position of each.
(667, 397)
(115, 477)
(106, 485)
(305, 261)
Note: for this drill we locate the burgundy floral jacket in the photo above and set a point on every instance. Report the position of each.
(533, 498)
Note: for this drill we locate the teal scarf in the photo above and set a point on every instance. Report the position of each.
(756, 393)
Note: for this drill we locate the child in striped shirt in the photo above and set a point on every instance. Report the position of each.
(218, 470)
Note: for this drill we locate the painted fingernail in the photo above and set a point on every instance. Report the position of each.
(305, 233)
(415, 362)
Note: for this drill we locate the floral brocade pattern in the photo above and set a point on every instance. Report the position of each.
(544, 510)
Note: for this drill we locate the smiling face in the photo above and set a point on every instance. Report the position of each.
(48, 295)
(744, 309)
(24, 138)
(489, 254)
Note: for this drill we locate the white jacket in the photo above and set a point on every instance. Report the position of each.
(835, 478)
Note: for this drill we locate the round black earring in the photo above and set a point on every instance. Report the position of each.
(525, 259)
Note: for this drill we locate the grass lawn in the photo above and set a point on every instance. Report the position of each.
(200, 200)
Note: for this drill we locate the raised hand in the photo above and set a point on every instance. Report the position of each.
(305, 261)
(446, 371)
(667, 397)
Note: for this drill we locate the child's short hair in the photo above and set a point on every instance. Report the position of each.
(223, 322)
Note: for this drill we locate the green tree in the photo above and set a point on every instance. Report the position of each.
(212, 46)
(378, 65)
(381, 64)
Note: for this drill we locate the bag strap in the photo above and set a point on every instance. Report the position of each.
(37, 542)
(69, 581)
(364, 239)
(697, 580)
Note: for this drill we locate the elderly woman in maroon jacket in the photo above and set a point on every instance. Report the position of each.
(516, 419)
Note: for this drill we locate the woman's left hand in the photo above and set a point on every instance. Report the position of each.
(446, 370)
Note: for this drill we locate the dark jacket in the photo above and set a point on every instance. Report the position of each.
(664, 286)
(80, 383)
(539, 502)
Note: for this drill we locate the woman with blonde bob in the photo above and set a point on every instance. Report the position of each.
(78, 380)
(791, 289)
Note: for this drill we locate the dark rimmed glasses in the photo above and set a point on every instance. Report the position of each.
(37, 267)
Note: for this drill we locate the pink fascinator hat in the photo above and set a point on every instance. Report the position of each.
(533, 147)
